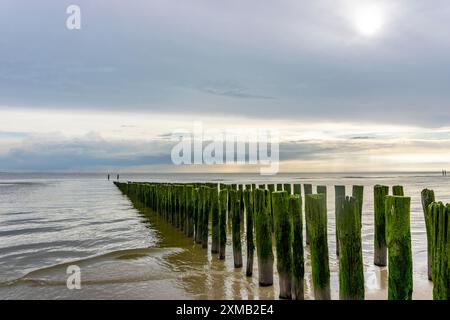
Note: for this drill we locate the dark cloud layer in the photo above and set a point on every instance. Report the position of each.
(287, 59)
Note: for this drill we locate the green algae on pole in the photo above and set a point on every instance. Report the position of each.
(398, 239)
(249, 209)
(322, 189)
(287, 188)
(441, 250)
(351, 269)
(358, 194)
(427, 197)
(298, 262)
(398, 191)
(206, 212)
(339, 196)
(214, 221)
(283, 241)
(297, 189)
(316, 213)
(308, 190)
(236, 228)
(380, 248)
(222, 222)
(263, 237)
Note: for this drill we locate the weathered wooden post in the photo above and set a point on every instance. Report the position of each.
(283, 241)
(264, 238)
(206, 212)
(298, 262)
(287, 188)
(316, 212)
(358, 194)
(380, 248)
(351, 268)
(249, 209)
(223, 222)
(398, 191)
(428, 197)
(236, 228)
(199, 221)
(398, 239)
(308, 190)
(322, 189)
(298, 189)
(214, 221)
(441, 250)
(339, 197)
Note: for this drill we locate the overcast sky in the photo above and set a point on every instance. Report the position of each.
(365, 84)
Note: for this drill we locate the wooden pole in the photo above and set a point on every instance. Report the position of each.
(428, 197)
(264, 238)
(222, 223)
(351, 269)
(380, 247)
(441, 250)
(339, 197)
(316, 213)
(214, 221)
(249, 209)
(283, 241)
(398, 191)
(236, 228)
(398, 239)
(308, 190)
(358, 194)
(298, 262)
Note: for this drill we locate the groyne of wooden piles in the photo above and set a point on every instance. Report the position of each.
(267, 221)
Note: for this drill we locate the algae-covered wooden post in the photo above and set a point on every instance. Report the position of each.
(206, 213)
(249, 209)
(264, 237)
(283, 241)
(351, 268)
(441, 250)
(398, 191)
(308, 190)
(236, 228)
(428, 197)
(297, 189)
(199, 216)
(322, 189)
(316, 213)
(298, 262)
(398, 239)
(287, 188)
(358, 194)
(339, 196)
(380, 248)
(214, 221)
(222, 222)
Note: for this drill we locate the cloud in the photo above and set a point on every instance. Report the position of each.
(286, 59)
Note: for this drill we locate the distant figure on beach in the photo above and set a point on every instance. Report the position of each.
(108, 176)
(444, 173)
(117, 177)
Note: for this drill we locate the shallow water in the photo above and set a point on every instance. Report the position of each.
(51, 221)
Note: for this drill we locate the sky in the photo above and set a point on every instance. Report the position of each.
(351, 85)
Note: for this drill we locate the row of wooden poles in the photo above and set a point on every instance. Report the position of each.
(273, 213)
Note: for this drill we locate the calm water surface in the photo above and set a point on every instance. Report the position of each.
(51, 221)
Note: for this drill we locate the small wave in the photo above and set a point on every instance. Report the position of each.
(33, 276)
